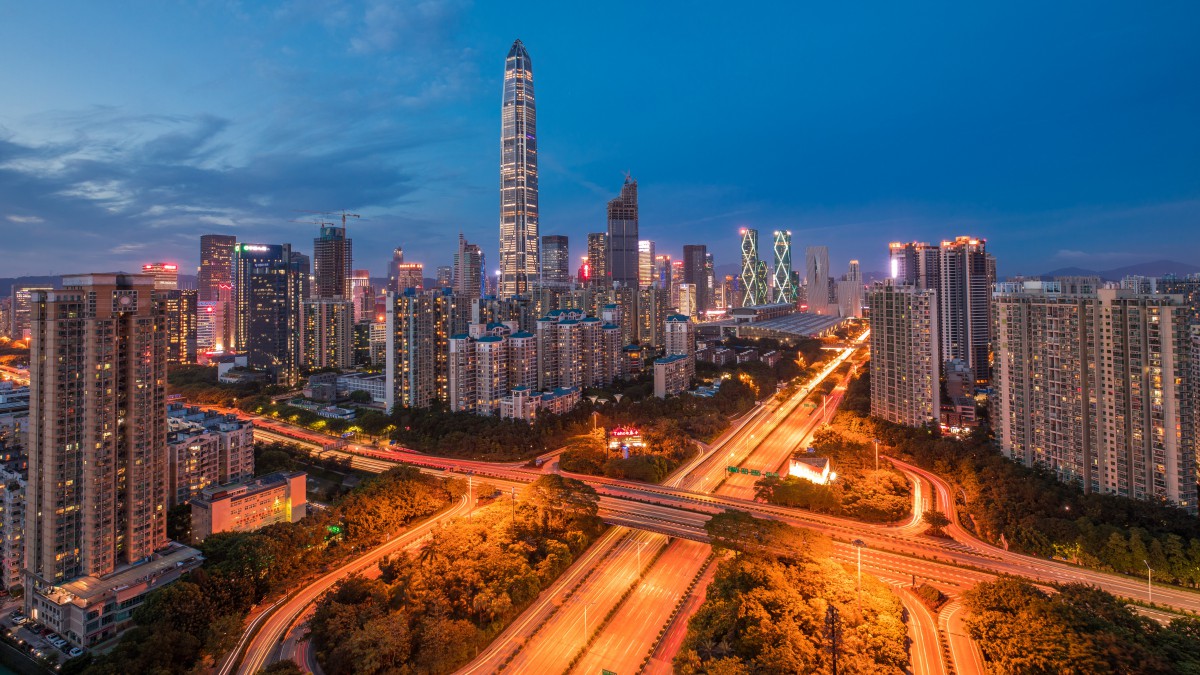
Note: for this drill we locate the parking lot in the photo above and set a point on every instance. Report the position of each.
(36, 640)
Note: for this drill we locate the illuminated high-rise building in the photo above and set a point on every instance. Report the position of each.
(784, 290)
(166, 275)
(333, 260)
(394, 270)
(363, 295)
(914, 264)
(268, 287)
(1096, 385)
(445, 276)
(754, 279)
(556, 260)
(695, 262)
(645, 263)
(904, 354)
(597, 247)
(816, 279)
(965, 300)
(410, 275)
(216, 266)
(518, 176)
(623, 236)
(96, 499)
(468, 269)
(662, 272)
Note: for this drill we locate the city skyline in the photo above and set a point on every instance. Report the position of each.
(165, 160)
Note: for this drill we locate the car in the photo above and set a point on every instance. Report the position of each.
(75, 652)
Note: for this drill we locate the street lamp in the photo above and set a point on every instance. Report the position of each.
(585, 621)
(1149, 587)
(858, 547)
(876, 440)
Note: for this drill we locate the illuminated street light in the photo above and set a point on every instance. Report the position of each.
(876, 441)
(1149, 587)
(858, 546)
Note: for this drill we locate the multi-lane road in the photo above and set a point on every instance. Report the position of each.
(898, 554)
(261, 643)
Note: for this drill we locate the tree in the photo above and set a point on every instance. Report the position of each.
(936, 520)
(360, 396)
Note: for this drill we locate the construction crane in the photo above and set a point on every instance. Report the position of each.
(343, 213)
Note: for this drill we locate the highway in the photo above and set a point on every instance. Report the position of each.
(628, 638)
(261, 644)
(669, 644)
(568, 629)
(896, 553)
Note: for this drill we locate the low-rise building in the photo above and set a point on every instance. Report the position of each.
(374, 384)
(205, 448)
(672, 375)
(89, 610)
(243, 507)
(522, 403)
(811, 468)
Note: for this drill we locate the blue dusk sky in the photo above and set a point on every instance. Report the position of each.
(1067, 134)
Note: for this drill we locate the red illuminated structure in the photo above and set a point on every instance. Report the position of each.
(625, 440)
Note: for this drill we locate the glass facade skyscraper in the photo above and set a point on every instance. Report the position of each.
(518, 177)
(623, 236)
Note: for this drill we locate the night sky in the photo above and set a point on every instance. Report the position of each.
(1067, 134)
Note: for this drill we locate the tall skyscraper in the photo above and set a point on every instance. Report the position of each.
(394, 270)
(965, 296)
(754, 279)
(850, 292)
(363, 295)
(905, 363)
(597, 247)
(623, 236)
(166, 275)
(1096, 385)
(662, 272)
(556, 259)
(445, 276)
(784, 291)
(518, 176)
(216, 266)
(695, 260)
(645, 263)
(914, 264)
(816, 278)
(333, 262)
(96, 501)
(410, 275)
(268, 287)
(468, 269)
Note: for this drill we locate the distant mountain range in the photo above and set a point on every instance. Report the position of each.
(1156, 268)
(7, 283)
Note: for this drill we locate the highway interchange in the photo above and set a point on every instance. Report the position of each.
(620, 570)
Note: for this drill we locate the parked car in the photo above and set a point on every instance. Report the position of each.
(75, 652)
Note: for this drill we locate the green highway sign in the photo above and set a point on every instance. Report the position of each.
(751, 472)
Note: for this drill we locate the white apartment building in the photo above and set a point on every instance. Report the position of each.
(1098, 386)
(905, 360)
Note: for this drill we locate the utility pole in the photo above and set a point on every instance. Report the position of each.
(514, 505)
(876, 440)
(470, 495)
(831, 622)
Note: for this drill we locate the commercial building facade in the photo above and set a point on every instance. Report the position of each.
(244, 507)
(518, 176)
